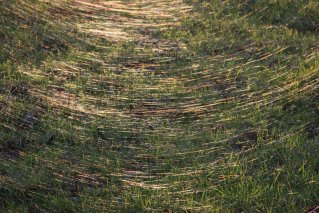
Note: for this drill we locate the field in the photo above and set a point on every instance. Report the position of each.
(159, 106)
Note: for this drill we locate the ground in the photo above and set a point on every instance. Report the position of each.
(159, 106)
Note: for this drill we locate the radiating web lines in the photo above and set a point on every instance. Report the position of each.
(130, 106)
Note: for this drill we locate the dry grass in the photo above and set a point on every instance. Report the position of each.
(156, 105)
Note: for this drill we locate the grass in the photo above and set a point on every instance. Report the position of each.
(113, 107)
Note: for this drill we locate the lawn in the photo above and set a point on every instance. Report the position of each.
(159, 106)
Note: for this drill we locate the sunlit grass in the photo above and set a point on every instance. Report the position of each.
(133, 106)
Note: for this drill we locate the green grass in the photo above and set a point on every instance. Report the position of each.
(217, 114)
